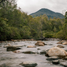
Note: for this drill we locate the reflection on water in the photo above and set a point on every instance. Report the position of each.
(10, 59)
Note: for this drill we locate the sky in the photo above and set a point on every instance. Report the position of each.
(31, 6)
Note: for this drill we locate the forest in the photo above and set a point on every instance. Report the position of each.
(16, 24)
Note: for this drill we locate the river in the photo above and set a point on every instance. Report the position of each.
(11, 59)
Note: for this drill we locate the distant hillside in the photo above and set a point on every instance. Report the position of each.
(48, 12)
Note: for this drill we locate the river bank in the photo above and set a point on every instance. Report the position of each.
(43, 39)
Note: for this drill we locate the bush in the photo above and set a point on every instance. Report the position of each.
(48, 35)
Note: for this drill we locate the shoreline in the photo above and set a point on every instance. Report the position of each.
(46, 39)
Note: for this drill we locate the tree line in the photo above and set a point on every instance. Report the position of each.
(16, 24)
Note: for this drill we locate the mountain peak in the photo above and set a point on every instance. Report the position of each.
(49, 13)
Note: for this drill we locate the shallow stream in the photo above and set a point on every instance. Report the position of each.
(11, 59)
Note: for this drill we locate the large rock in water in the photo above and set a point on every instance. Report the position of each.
(56, 51)
(60, 46)
(12, 47)
(40, 43)
(60, 42)
(65, 43)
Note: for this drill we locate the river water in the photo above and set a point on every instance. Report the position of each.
(11, 59)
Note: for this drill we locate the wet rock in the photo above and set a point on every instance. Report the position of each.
(65, 43)
(31, 46)
(60, 46)
(38, 48)
(29, 52)
(16, 51)
(65, 58)
(55, 61)
(43, 52)
(60, 42)
(55, 66)
(40, 43)
(11, 48)
(63, 64)
(52, 58)
(56, 51)
(28, 64)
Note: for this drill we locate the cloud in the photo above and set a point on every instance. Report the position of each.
(31, 6)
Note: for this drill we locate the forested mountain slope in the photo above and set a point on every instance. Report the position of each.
(48, 12)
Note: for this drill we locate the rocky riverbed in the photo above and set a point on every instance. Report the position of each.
(35, 56)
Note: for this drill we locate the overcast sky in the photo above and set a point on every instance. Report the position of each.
(30, 6)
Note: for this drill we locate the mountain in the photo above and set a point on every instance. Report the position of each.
(49, 13)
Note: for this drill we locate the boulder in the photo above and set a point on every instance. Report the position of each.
(11, 48)
(56, 51)
(60, 42)
(28, 64)
(31, 46)
(65, 43)
(40, 43)
(60, 46)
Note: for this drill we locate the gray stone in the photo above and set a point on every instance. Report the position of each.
(38, 48)
(55, 66)
(55, 61)
(63, 64)
(52, 58)
(28, 64)
(43, 52)
(11, 48)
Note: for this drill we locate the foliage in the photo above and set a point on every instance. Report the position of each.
(16, 24)
(63, 32)
(48, 35)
